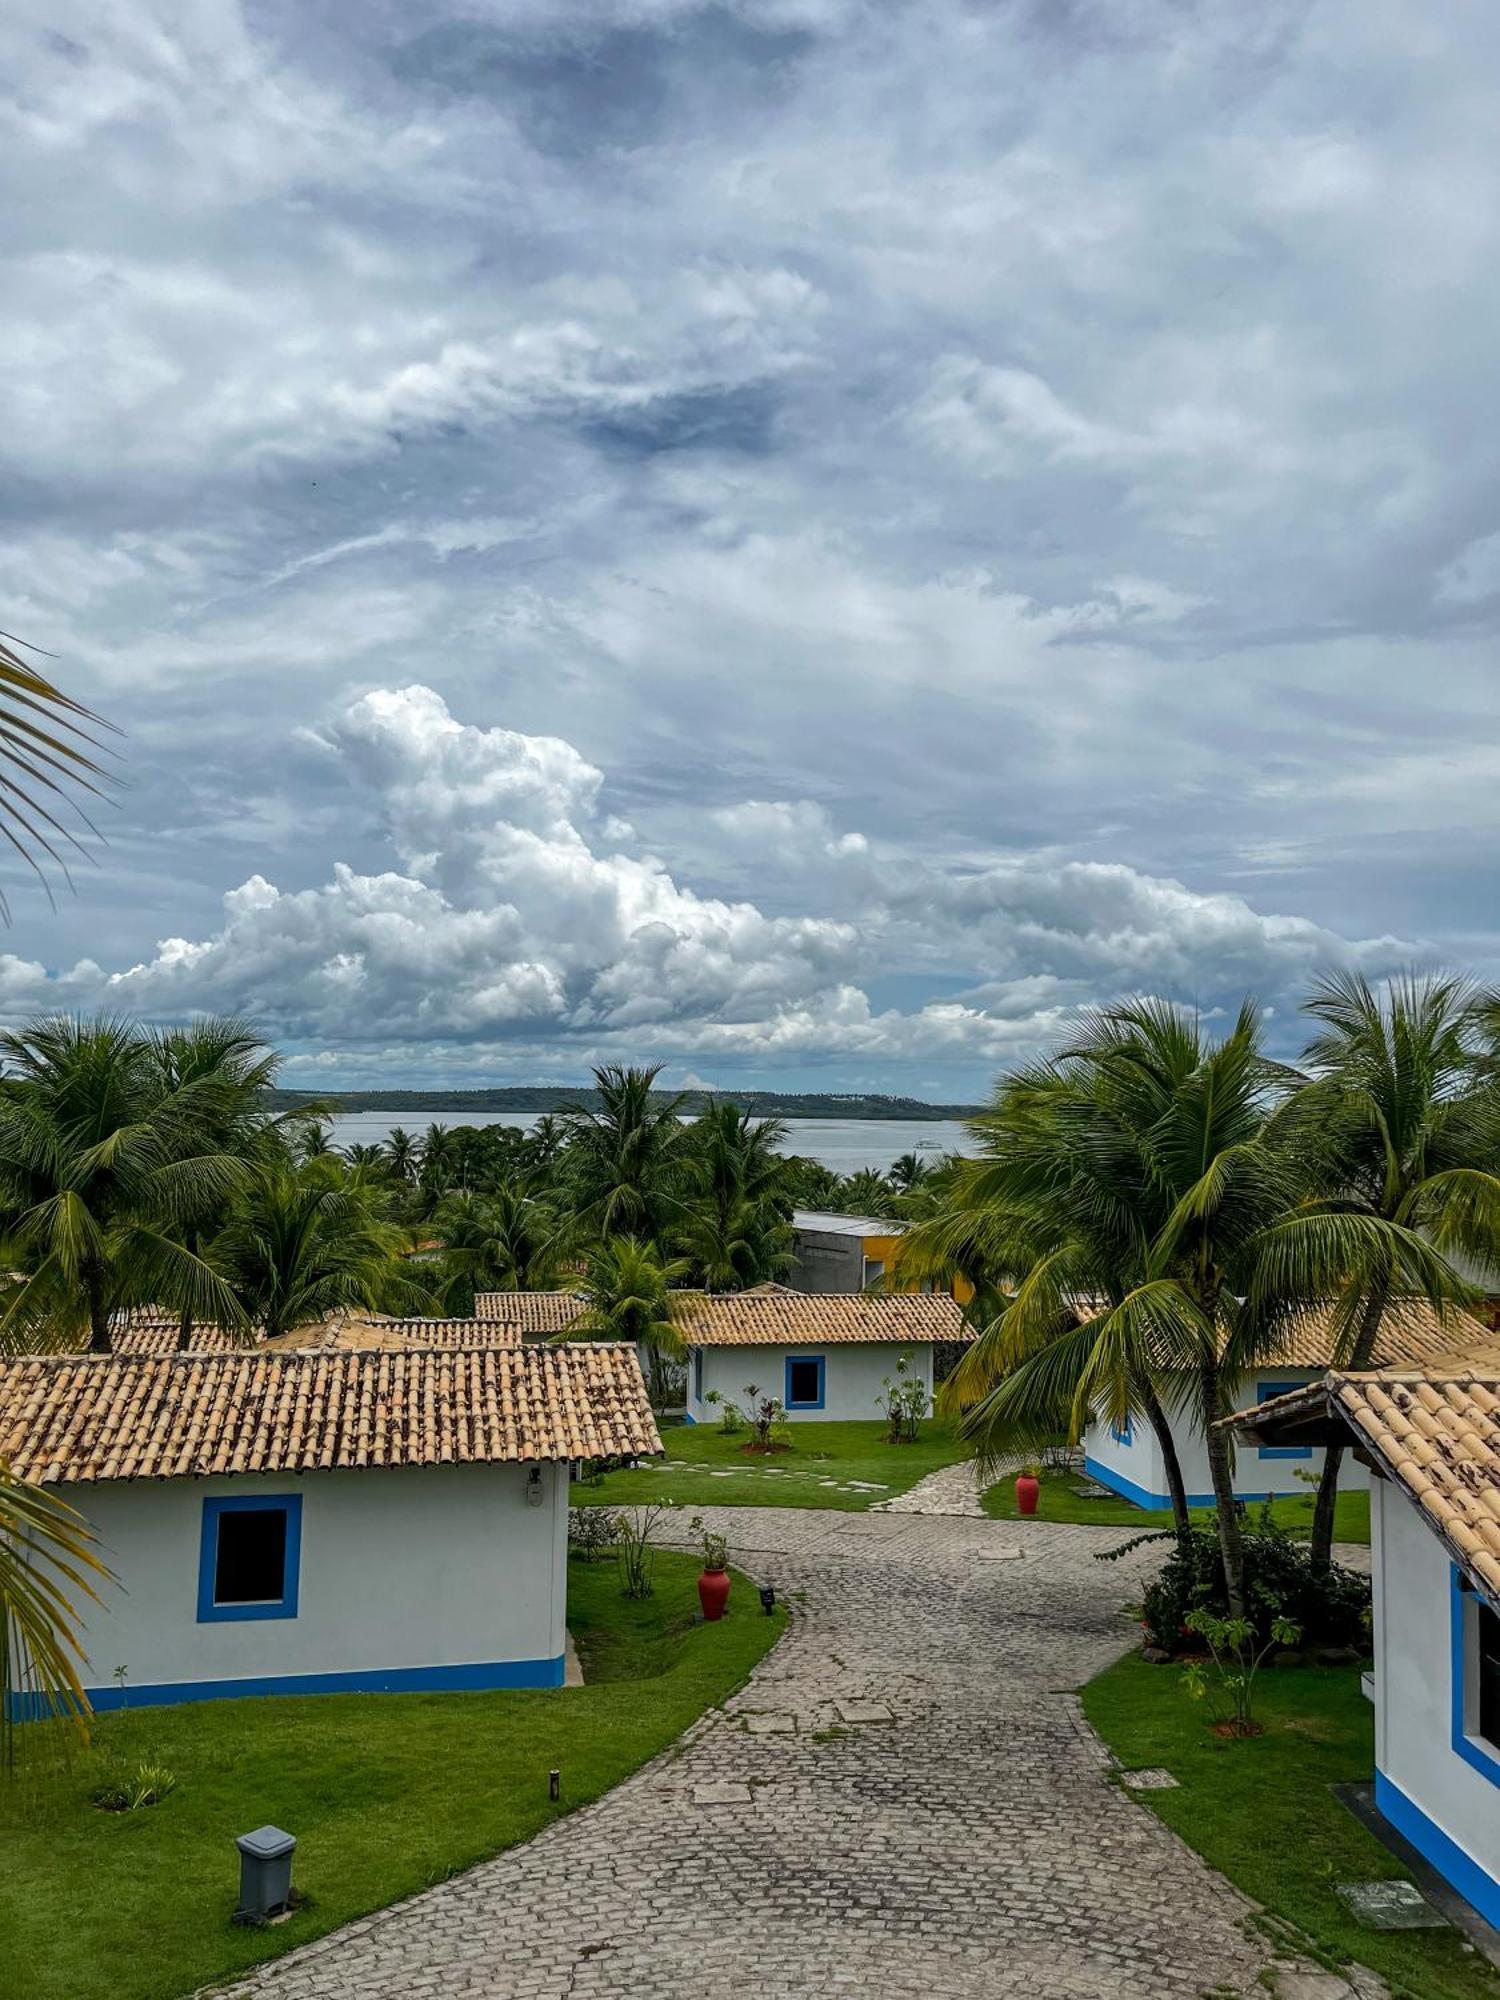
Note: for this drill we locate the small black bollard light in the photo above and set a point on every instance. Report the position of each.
(768, 1598)
(554, 1784)
(265, 1874)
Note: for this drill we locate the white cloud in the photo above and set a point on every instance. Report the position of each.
(513, 917)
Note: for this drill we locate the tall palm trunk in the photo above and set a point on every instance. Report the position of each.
(1231, 1542)
(100, 1341)
(1320, 1549)
(185, 1322)
(1157, 1417)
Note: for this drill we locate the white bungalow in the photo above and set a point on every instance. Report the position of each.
(1128, 1458)
(824, 1355)
(1431, 1439)
(326, 1520)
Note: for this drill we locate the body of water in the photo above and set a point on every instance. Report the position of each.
(844, 1144)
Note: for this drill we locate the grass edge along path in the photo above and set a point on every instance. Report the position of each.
(387, 1794)
(845, 1466)
(1059, 1502)
(1263, 1811)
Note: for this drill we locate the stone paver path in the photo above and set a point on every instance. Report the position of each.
(903, 1801)
(952, 1489)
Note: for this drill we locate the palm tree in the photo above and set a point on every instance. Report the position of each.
(370, 1160)
(47, 1561)
(1147, 1134)
(628, 1288)
(508, 1241)
(314, 1138)
(737, 1231)
(301, 1245)
(104, 1166)
(216, 1072)
(1404, 1117)
(402, 1155)
(866, 1193)
(908, 1172)
(626, 1156)
(47, 744)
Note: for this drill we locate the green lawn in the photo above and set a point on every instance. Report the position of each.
(827, 1466)
(1263, 1812)
(1059, 1502)
(386, 1794)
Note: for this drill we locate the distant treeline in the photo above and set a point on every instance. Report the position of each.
(554, 1097)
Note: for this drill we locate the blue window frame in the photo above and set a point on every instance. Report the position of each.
(1264, 1392)
(1475, 1676)
(1123, 1433)
(805, 1376)
(698, 1374)
(250, 1557)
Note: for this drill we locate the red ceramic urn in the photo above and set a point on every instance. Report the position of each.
(713, 1593)
(1028, 1491)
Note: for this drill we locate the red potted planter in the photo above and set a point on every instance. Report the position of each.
(1028, 1492)
(713, 1593)
(713, 1585)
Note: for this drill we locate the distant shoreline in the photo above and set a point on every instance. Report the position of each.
(546, 1097)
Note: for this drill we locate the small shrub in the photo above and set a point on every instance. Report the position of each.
(129, 1791)
(635, 1548)
(731, 1416)
(592, 1530)
(1331, 1609)
(769, 1429)
(715, 1547)
(1236, 1656)
(905, 1402)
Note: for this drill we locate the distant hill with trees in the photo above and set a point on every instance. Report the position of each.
(556, 1097)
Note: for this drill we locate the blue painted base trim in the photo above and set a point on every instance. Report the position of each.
(1161, 1502)
(1459, 1869)
(688, 1417)
(478, 1677)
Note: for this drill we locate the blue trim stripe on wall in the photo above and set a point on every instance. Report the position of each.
(214, 1509)
(475, 1678)
(1139, 1496)
(1457, 1868)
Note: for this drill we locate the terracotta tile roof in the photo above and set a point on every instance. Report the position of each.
(1436, 1433)
(532, 1312)
(1411, 1335)
(69, 1417)
(351, 1330)
(773, 1316)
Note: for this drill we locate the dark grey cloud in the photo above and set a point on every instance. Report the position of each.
(1044, 444)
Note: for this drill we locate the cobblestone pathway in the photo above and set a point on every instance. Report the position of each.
(952, 1489)
(903, 1801)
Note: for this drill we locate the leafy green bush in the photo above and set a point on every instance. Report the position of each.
(143, 1785)
(592, 1530)
(1332, 1609)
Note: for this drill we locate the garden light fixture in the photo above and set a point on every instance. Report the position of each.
(768, 1598)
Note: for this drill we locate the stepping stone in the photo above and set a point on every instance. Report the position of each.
(1091, 1490)
(1153, 1780)
(771, 1725)
(987, 1552)
(1390, 1906)
(863, 1711)
(723, 1792)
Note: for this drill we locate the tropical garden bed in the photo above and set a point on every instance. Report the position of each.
(386, 1794)
(1060, 1501)
(1262, 1810)
(844, 1466)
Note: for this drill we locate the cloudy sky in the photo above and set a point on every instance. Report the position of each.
(807, 539)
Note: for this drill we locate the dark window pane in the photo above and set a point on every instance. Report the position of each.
(250, 1567)
(1489, 1674)
(805, 1375)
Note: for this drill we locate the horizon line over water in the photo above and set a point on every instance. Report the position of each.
(844, 1144)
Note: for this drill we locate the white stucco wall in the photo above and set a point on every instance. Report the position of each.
(852, 1375)
(1137, 1468)
(1414, 1706)
(446, 1567)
